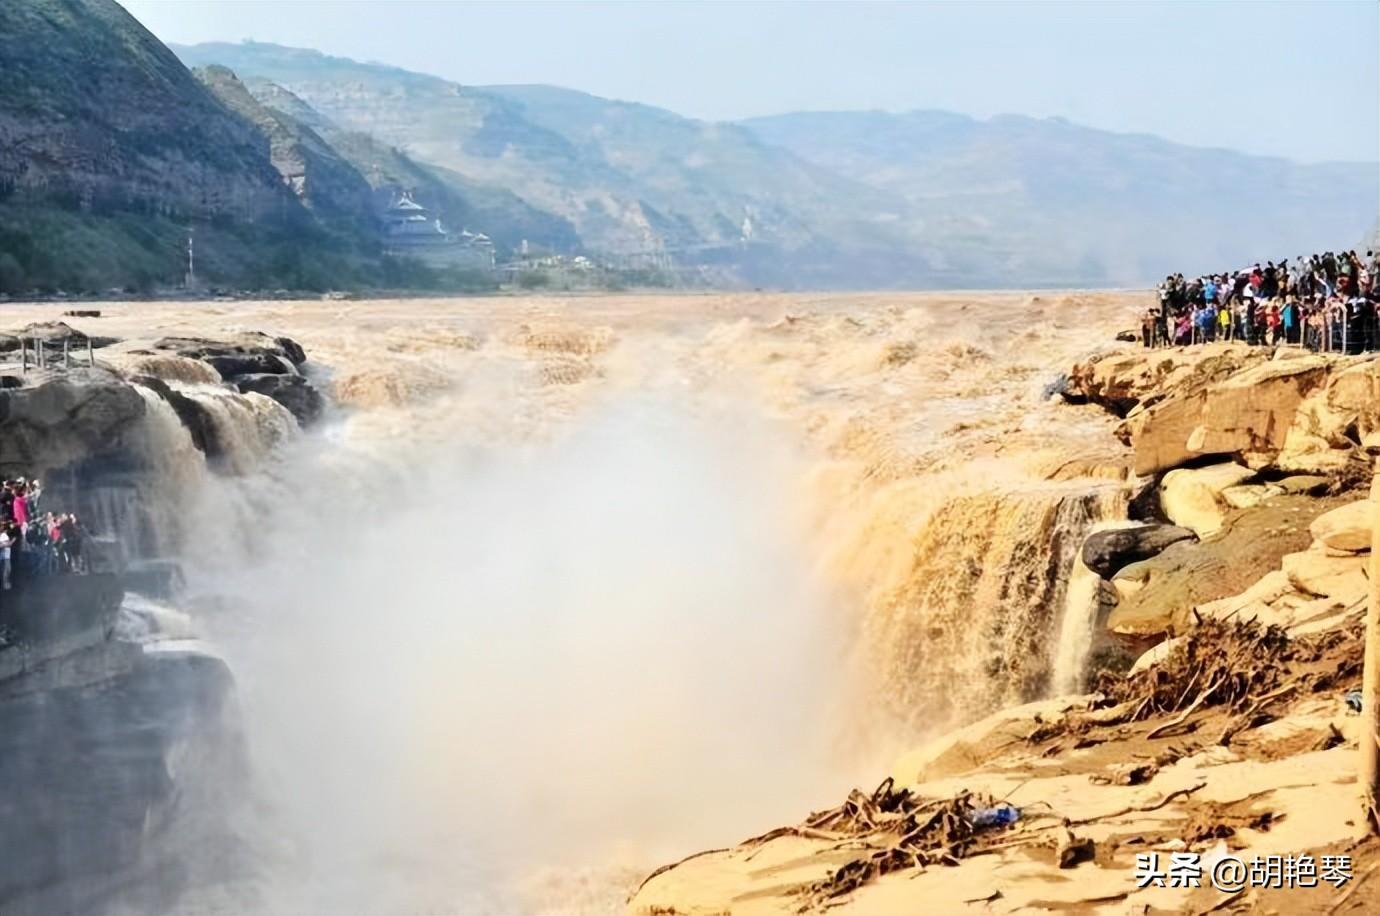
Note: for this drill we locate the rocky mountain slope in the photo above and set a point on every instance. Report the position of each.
(112, 153)
(927, 199)
(1032, 197)
(630, 179)
(109, 147)
(460, 202)
(321, 179)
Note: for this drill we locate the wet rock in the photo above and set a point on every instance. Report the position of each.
(250, 353)
(233, 365)
(194, 417)
(1347, 528)
(1158, 596)
(68, 417)
(1104, 552)
(1059, 386)
(294, 392)
(1192, 497)
(1144, 505)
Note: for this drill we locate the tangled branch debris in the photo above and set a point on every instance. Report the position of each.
(1218, 664)
(1241, 666)
(897, 830)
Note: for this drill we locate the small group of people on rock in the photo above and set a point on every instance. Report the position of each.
(1326, 302)
(33, 543)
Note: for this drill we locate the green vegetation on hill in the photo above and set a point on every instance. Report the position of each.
(841, 199)
(114, 153)
(280, 161)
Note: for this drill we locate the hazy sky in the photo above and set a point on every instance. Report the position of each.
(1293, 79)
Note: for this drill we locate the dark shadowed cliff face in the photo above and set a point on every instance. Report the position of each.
(96, 110)
(122, 771)
(110, 150)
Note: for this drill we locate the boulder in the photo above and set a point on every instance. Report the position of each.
(1304, 484)
(250, 353)
(52, 331)
(1104, 552)
(1314, 572)
(294, 392)
(1157, 596)
(233, 365)
(1350, 408)
(1249, 495)
(1346, 528)
(1248, 415)
(67, 418)
(1123, 380)
(1192, 497)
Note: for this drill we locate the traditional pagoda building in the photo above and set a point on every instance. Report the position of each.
(408, 223)
(411, 229)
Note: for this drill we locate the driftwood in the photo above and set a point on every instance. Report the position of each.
(894, 830)
(1237, 665)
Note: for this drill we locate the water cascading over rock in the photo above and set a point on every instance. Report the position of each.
(975, 621)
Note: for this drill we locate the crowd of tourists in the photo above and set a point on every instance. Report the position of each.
(34, 543)
(1327, 302)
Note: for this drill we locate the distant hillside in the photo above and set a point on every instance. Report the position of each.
(109, 148)
(319, 177)
(1032, 195)
(458, 201)
(279, 160)
(113, 154)
(842, 199)
(630, 179)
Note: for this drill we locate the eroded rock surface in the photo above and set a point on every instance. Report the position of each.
(1104, 552)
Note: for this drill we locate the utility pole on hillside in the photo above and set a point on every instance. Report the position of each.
(191, 260)
(1370, 678)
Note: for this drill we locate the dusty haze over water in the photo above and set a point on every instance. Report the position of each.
(569, 587)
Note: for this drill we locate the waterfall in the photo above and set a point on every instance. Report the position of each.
(1081, 609)
(247, 426)
(972, 622)
(149, 520)
(156, 515)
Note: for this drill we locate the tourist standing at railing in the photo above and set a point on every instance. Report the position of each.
(19, 507)
(7, 544)
(1223, 316)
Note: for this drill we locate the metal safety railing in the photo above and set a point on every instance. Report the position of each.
(42, 359)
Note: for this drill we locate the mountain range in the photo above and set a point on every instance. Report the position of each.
(111, 144)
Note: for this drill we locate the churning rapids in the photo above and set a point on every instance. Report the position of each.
(565, 588)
